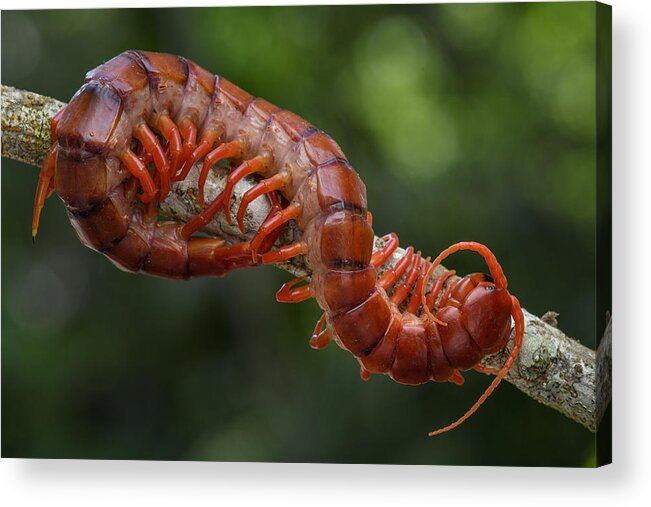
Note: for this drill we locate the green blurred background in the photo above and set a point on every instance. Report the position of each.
(466, 122)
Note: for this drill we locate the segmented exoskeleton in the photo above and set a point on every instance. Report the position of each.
(93, 168)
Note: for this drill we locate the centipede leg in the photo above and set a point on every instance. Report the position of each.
(171, 134)
(401, 293)
(203, 218)
(392, 275)
(276, 182)
(153, 146)
(288, 293)
(320, 338)
(381, 256)
(431, 297)
(44, 188)
(45, 185)
(242, 251)
(224, 151)
(273, 223)
(229, 257)
(284, 253)
(246, 168)
(189, 134)
(142, 154)
(135, 166)
(415, 299)
(457, 378)
(207, 141)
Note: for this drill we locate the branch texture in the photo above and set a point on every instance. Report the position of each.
(552, 368)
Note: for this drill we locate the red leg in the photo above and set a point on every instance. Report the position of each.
(431, 297)
(276, 182)
(364, 374)
(171, 134)
(210, 258)
(392, 275)
(369, 218)
(207, 214)
(415, 299)
(247, 167)
(189, 134)
(268, 242)
(288, 293)
(273, 223)
(208, 140)
(493, 266)
(138, 170)
(143, 155)
(399, 295)
(284, 253)
(320, 338)
(381, 256)
(227, 150)
(153, 146)
(203, 218)
(44, 187)
(457, 378)
(446, 294)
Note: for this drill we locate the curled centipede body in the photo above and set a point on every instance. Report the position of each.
(94, 169)
(386, 322)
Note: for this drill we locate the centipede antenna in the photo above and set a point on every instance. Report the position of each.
(516, 313)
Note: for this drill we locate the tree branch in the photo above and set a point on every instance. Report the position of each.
(552, 368)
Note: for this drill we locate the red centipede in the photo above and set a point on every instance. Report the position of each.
(100, 165)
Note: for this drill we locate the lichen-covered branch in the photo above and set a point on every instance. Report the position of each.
(26, 124)
(552, 368)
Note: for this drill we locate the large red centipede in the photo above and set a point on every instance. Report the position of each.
(100, 164)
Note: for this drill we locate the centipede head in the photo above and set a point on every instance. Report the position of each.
(485, 310)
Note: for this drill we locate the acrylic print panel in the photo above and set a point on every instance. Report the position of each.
(465, 122)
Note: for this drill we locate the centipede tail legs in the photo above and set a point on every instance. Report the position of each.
(44, 188)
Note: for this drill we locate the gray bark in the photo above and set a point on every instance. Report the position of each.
(552, 368)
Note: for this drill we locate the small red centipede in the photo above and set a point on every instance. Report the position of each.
(93, 167)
